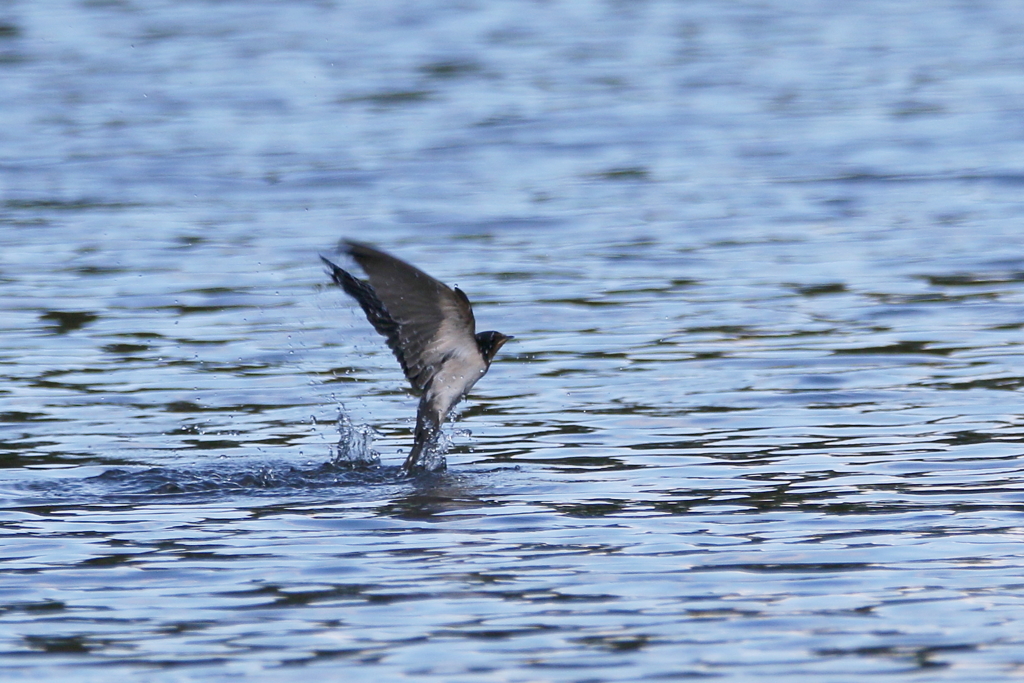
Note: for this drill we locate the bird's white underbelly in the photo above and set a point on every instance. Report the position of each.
(454, 380)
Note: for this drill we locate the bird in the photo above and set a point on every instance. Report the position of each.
(430, 328)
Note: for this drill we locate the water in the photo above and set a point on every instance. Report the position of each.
(761, 418)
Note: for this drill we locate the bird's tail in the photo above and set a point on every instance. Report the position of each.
(425, 455)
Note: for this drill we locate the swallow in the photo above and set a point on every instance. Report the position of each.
(431, 330)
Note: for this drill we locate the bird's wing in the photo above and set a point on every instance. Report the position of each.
(425, 321)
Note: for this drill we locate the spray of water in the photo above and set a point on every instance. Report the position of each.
(354, 445)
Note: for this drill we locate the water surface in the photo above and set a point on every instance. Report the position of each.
(761, 418)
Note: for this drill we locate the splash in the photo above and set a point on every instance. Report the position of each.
(432, 458)
(354, 445)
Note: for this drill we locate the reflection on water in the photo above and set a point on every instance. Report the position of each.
(759, 419)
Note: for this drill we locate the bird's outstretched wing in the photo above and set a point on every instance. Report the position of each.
(424, 321)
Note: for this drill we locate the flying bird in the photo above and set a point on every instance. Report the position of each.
(431, 330)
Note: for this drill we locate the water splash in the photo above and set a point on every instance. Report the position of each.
(432, 458)
(354, 445)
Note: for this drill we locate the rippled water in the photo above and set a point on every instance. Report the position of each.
(761, 419)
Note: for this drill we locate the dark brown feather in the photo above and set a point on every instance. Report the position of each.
(407, 307)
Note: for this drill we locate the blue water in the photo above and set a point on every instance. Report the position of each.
(761, 419)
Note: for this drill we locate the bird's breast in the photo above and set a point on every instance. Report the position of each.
(453, 380)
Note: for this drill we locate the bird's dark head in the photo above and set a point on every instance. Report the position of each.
(489, 343)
